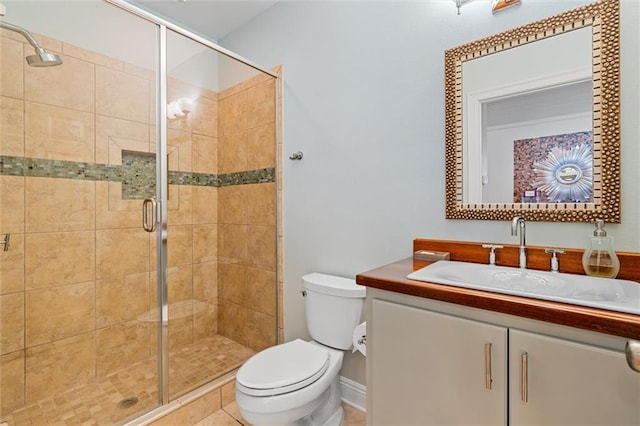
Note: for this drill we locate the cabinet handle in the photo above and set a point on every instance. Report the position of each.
(525, 377)
(487, 365)
(633, 354)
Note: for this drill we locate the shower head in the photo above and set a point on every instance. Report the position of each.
(42, 58)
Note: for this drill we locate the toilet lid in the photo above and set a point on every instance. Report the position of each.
(282, 368)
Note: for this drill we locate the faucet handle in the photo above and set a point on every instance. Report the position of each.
(492, 253)
(555, 263)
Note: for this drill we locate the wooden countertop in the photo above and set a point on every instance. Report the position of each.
(392, 278)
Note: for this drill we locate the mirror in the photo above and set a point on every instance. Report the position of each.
(532, 121)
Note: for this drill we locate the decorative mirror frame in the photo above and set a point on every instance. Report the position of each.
(603, 16)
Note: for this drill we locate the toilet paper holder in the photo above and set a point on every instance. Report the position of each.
(360, 339)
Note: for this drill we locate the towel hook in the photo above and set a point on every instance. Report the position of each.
(296, 156)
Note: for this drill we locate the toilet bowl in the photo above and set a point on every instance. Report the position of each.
(297, 383)
(291, 383)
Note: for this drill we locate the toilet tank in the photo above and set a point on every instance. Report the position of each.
(333, 308)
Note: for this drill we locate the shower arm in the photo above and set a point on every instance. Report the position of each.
(32, 41)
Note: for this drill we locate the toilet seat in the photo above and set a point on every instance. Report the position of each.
(283, 368)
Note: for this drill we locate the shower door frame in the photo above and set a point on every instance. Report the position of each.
(162, 177)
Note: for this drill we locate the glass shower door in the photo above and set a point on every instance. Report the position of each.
(101, 318)
(221, 266)
(77, 149)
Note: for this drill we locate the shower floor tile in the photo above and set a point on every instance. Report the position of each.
(97, 403)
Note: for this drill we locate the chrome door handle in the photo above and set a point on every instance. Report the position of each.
(633, 354)
(149, 219)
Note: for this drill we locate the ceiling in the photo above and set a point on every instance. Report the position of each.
(213, 19)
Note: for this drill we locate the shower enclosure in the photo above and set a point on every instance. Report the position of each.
(138, 202)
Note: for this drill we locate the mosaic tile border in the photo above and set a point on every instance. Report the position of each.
(228, 179)
(36, 167)
(130, 173)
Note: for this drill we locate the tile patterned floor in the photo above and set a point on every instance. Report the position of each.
(230, 416)
(353, 417)
(97, 403)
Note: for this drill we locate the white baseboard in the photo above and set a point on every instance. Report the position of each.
(353, 394)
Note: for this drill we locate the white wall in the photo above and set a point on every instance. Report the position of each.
(364, 101)
(540, 60)
(101, 27)
(90, 24)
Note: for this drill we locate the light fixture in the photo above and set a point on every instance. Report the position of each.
(459, 4)
(179, 108)
(498, 5)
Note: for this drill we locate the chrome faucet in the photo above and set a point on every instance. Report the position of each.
(516, 223)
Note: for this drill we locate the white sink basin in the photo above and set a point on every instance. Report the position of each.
(603, 293)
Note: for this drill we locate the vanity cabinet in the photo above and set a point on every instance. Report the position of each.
(560, 382)
(428, 367)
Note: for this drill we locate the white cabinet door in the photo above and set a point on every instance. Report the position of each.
(431, 369)
(570, 383)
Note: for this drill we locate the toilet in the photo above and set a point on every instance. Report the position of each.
(297, 383)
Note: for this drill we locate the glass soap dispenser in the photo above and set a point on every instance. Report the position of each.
(599, 260)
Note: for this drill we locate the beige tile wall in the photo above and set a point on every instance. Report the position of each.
(80, 274)
(247, 215)
(75, 279)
